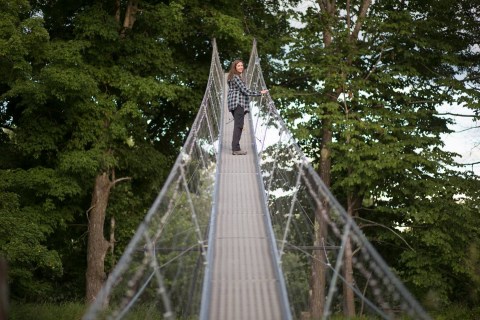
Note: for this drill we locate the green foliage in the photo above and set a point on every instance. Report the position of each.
(378, 93)
(457, 312)
(22, 38)
(23, 245)
(80, 95)
(445, 221)
(297, 274)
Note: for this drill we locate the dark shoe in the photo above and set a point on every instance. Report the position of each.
(239, 153)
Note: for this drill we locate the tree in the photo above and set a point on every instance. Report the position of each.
(83, 114)
(368, 76)
(30, 193)
(339, 44)
(98, 100)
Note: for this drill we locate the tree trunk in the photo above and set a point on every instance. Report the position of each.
(319, 269)
(348, 284)
(328, 13)
(319, 264)
(3, 289)
(117, 10)
(348, 296)
(130, 16)
(97, 244)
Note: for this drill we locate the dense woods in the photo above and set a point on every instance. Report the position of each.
(96, 98)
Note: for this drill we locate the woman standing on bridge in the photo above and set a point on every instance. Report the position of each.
(238, 102)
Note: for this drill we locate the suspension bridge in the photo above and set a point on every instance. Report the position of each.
(248, 237)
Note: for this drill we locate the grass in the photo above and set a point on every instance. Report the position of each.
(457, 312)
(46, 311)
(75, 311)
(70, 311)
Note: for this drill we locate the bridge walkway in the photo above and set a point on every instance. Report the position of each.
(244, 284)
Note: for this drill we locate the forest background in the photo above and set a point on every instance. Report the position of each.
(96, 98)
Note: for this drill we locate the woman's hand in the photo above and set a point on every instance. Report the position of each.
(264, 91)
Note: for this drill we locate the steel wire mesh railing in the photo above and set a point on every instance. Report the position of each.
(160, 274)
(328, 264)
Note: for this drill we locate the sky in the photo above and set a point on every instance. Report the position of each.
(465, 140)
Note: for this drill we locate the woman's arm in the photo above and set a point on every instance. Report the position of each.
(243, 88)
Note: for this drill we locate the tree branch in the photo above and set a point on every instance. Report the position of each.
(465, 130)
(469, 164)
(376, 224)
(456, 115)
(130, 16)
(117, 11)
(361, 16)
(348, 15)
(4, 127)
(120, 180)
(374, 65)
(327, 7)
(112, 236)
(88, 211)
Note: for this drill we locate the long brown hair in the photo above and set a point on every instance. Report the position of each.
(233, 69)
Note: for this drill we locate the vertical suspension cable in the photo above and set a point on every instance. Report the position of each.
(272, 173)
(290, 213)
(193, 212)
(168, 314)
(338, 265)
(265, 133)
(210, 130)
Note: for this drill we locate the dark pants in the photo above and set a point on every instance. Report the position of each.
(238, 120)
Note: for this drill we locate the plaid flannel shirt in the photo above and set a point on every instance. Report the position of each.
(239, 94)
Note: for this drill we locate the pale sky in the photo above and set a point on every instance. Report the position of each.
(466, 138)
